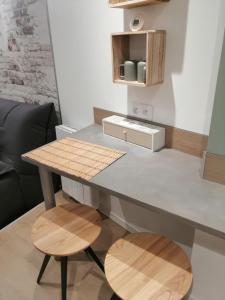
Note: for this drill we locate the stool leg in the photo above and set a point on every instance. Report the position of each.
(64, 261)
(89, 251)
(43, 267)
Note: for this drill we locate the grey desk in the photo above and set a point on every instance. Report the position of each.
(167, 182)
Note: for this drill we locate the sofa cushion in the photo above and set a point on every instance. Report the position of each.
(24, 127)
(5, 168)
(5, 108)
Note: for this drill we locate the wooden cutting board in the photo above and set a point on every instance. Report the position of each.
(75, 157)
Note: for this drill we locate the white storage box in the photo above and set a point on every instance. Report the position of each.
(140, 133)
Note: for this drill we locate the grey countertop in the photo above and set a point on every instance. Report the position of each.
(168, 182)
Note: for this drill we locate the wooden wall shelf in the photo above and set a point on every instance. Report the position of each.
(134, 83)
(133, 3)
(123, 48)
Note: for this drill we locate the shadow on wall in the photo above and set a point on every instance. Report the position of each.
(139, 219)
(159, 17)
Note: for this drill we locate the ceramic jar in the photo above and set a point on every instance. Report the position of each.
(130, 70)
(141, 71)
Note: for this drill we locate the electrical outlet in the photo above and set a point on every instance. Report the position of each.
(142, 110)
(135, 110)
(147, 112)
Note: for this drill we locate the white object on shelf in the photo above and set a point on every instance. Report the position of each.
(140, 133)
(76, 190)
(137, 23)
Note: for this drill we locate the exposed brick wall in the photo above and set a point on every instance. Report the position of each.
(26, 61)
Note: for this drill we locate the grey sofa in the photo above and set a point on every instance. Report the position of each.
(23, 127)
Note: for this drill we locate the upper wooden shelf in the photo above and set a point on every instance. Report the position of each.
(133, 3)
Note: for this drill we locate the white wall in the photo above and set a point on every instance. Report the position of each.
(81, 40)
(208, 258)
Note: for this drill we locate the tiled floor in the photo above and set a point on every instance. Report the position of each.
(20, 264)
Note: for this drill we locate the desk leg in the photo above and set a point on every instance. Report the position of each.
(208, 261)
(47, 188)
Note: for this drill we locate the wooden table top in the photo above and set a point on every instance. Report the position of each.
(66, 229)
(148, 266)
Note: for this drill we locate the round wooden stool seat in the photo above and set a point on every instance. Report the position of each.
(67, 229)
(144, 266)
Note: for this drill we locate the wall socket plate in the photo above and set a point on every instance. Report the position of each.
(141, 110)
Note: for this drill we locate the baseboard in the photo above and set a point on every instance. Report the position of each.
(176, 138)
(214, 168)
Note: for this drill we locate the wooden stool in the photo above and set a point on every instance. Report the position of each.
(64, 231)
(144, 266)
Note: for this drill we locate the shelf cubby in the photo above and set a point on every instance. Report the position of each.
(133, 3)
(146, 45)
